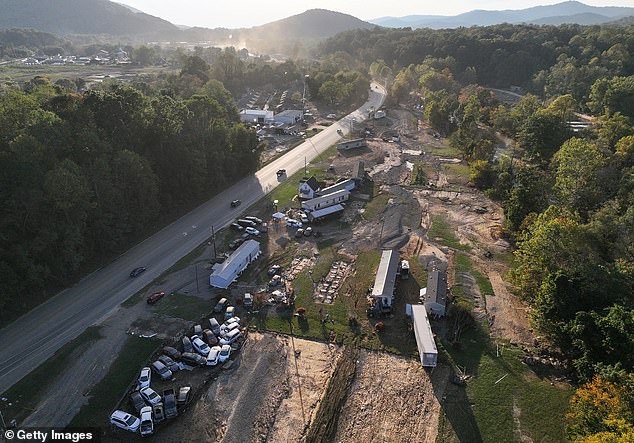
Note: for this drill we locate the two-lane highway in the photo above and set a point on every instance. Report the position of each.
(35, 336)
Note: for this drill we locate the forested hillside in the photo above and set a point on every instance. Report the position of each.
(81, 174)
(568, 195)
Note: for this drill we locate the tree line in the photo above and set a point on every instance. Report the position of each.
(83, 173)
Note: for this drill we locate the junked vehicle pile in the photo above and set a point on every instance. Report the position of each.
(154, 399)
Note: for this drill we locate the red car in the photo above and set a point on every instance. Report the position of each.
(153, 298)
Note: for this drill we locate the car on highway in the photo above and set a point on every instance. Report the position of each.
(147, 425)
(125, 421)
(162, 371)
(187, 345)
(281, 172)
(252, 231)
(200, 346)
(212, 357)
(154, 297)
(150, 396)
(145, 377)
(137, 271)
(225, 351)
(137, 401)
(193, 359)
(236, 203)
(183, 395)
(172, 352)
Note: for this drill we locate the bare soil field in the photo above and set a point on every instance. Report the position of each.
(391, 400)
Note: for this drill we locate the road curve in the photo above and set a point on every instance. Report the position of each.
(34, 337)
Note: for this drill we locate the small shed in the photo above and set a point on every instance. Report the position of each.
(436, 293)
(228, 271)
(424, 337)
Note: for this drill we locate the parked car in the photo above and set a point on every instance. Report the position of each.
(193, 359)
(172, 352)
(125, 421)
(159, 412)
(137, 401)
(198, 330)
(150, 396)
(154, 297)
(147, 424)
(144, 378)
(212, 357)
(331, 116)
(162, 371)
(273, 270)
(209, 337)
(304, 218)
(253, 219)
(187, 345)
(200, 346)
(276, 280)
(225, 351)
(169, 403)
(281, 172)
(299, 233)
(137, 271)
(171, 364)
(230, 337)
(292, 223)
(220, 306)
(308, 231)
(231, 320)
(236, 227)
(236, 203)
(251, 231)
(214, 325)
(264, 227)
(227, 328)
(229, 312)
(183, 395)
(247, 301)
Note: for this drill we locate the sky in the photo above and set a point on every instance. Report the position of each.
(246, 13)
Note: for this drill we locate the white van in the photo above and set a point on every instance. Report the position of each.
(231, 337)
(228, 327)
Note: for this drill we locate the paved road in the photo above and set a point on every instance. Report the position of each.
(34, 337)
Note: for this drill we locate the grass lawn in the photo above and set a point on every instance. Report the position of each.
(457, 173)
(463, 264)
(375, 206)
(440, 229)
(26, 394)
(444, 151)
(187, 307)
(501, 385)
(106, 393)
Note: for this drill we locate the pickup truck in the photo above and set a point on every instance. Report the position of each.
(169, 403)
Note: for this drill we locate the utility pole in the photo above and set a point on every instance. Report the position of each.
(213, 239)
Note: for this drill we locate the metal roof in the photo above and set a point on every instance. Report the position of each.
(386, 274)
(437, 287)
(326, 211)
(348, 184)
(326, 198)
(422, 330)
(229, 269)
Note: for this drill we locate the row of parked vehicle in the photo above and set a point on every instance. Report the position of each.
(206, 347)
(249, 226)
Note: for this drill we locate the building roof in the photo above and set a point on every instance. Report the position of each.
(356, 142)
(262, 112)
(326, 198)
(312, 182)
(290, 113)
(385, 280)
(326, 211)
(229, 269)
(348, 184)
(422, 330)
(358, 170)
(437, 287)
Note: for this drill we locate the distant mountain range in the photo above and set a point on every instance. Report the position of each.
(560, 13)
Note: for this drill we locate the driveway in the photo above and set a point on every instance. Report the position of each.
(35, 336)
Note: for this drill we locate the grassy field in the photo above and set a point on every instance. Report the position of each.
(375, 206)
(444, 151)
(440, 229)
(25, 395)
(106, 393)
(187, 307)
(457, 173)
(463, 264)
(504, 396)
